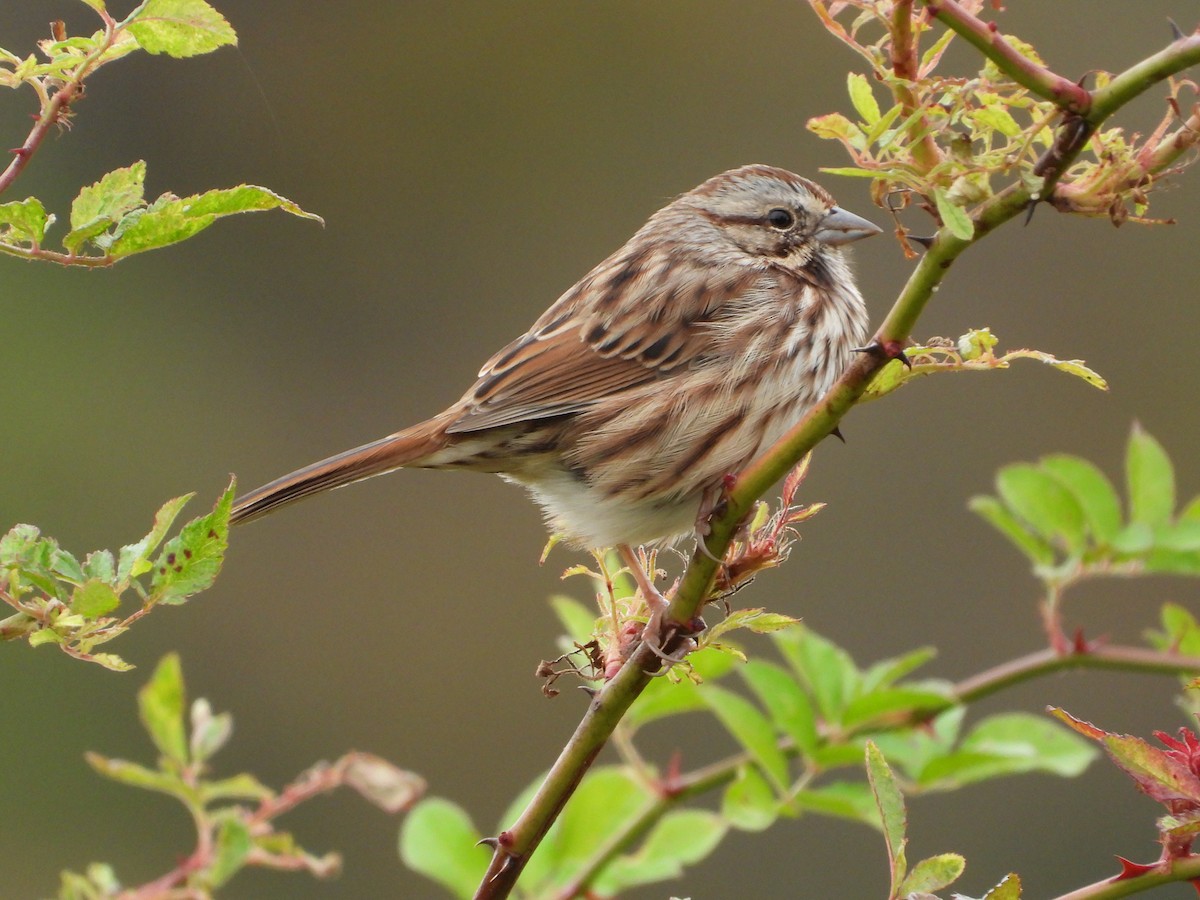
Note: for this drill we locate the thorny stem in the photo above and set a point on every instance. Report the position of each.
(905, 65)
(56, 107)
(1166, 872)
(984, 37)
(514, 847)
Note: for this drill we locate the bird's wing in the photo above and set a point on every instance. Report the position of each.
(620, 327)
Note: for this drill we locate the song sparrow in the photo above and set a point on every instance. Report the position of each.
(671, 364)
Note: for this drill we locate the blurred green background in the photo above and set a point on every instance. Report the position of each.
(471, 161)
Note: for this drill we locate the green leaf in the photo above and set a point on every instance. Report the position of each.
(190, 561)
(242, 199)
(662, 698)
(210, 732)
(134, 558)
(1151, 479)
(237, 787)
(233, 845)
(24, 220)
(749, 803)
(887, 672)
(751, 729)
(845, 799)
(93, 599)
(1008, 889)
(161, 704)
(606, 802)
(135, 775)
(682, 838)
(180, 28)
(578, 621)
(789, 707)
(954, 217)
(439, 841)
(932, 874)
(758, 621)
(890, 803)
(1009, 744)
(171, 219)
(1092, 490)
(999, 517)
(862, 98)
(1043, 503)
(890, 702)
(997, 118)
(825, 668)
(106, 201)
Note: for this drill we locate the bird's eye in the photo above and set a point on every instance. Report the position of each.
(781, 219)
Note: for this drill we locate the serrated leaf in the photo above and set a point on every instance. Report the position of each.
(1002, 519)
(110, 661)
(99, 564)
(439, 841)
(954, 217)
(751, 729)
(94, 598)
(170, 220)
(110, 198)
(749, 803)
(785, 701)
(134, 558)
(890, 803)
(1043, 503)
(242, 199)
(161, 705)
(180, 28)
(191, 560)
(24, 220)
(932, 874)
(758, 621)
(862, 98)
(1008, 889)
(1092, 490)
(1151, 479)
(887, 672)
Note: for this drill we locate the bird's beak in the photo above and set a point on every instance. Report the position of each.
(839, 227)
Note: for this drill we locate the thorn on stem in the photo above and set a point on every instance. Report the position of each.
(1176, 32)
(888, 349)
(837, 433)
(925, 242)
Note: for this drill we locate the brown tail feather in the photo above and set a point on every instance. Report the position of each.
(376, 458)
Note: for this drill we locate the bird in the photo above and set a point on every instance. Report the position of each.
(669, 366)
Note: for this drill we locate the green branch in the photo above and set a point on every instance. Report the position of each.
(514, 846)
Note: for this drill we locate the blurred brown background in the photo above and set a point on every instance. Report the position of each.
(472, 160)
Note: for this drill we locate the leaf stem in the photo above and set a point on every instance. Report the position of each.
(1166, 872)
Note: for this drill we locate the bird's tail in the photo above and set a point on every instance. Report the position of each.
(403, 448)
